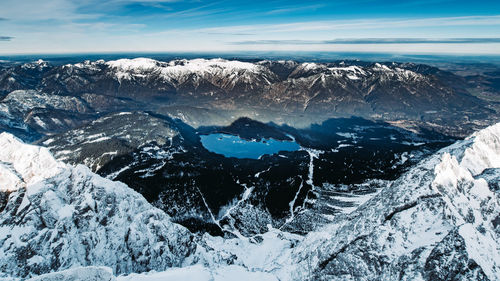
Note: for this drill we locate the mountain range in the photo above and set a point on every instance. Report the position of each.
(217, 92)
(391, 170)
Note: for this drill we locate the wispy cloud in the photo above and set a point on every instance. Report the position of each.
(373, 41)
(360, 24)
(234, 34)
(225, 25)
(284, 10)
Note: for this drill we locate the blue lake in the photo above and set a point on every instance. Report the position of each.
(234, 146)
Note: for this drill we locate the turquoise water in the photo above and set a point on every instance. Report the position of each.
(234, 146)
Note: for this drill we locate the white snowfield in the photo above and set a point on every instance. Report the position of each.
(22, 165)
(177, 70)
(438, 221)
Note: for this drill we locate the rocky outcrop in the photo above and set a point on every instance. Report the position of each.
(58, 216)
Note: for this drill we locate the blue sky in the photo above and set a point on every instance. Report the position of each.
(414, 26)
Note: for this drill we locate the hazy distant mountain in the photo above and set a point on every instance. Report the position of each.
(278, 91)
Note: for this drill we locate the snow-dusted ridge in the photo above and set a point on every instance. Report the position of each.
(178, 70)
(439, 221)
(22, 164)
(179, 66)
(58, 216)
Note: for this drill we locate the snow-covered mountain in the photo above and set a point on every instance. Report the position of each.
(54, 216)
(439, 221)
(278, 91)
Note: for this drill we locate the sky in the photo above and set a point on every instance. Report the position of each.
(99, 26)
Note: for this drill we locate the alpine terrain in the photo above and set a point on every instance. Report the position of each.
(251, 169)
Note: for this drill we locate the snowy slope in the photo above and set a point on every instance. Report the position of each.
(223, 73)
(439, 221)
(57, 216)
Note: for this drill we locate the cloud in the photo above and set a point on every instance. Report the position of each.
(373, 41)
(6, 38)
(234, 34)
(357, 24)
(285, 10)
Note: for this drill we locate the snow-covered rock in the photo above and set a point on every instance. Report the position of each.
(89, 273)
(57, 216)
(116, 134)
(23, 101)
(224, 73)
(439, 221)
(23, 165)
(201, 273)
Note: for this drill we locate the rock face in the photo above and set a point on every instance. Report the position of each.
(56, 216)
(439, 221)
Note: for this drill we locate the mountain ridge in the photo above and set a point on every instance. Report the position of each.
(278, 91)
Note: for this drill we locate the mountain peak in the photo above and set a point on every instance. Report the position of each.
(24, 164)
(58, 216)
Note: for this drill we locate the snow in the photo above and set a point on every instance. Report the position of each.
(29, 165)
(413, 143)
(307, 66)
(191, 273)
(133, 64)
(200, 273)
(292, 204)
(48, 141)
(404, 221)
(347, 135)
(25, 100)
(225, 211)
(39, 122)
(484, 249)
(89, 219)
(484, 152)
(342, 145)
(356, 199)
(117, 173)
(266, 256)
(98, 140)
(179, 69)
(414, 212)
(352, 72)
(9, 179)
(89, 273)
(470, 200)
